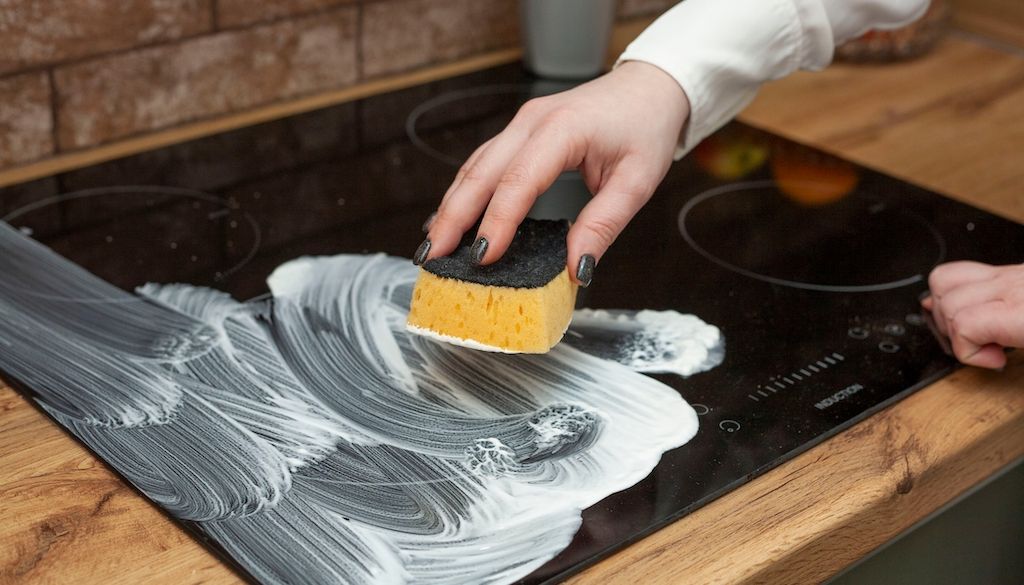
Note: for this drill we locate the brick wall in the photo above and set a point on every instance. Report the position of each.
(75, 74)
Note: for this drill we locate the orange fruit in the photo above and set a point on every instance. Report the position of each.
(811, 177)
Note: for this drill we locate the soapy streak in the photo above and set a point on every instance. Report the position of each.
(312, 437)
(664, 342)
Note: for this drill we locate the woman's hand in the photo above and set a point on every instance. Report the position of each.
(619, 130)
(980, 308)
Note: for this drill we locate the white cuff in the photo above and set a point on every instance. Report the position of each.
(721, 51)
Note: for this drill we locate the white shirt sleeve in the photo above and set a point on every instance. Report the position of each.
(721, 51)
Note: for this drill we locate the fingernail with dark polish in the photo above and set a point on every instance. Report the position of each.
(585, 270)
(429, 222)
(479, 250)
(421, 252)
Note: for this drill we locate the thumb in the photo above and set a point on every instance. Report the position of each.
(601, 222)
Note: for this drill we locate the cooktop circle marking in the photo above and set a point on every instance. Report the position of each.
(729, 425)
(750, 185)
(523, 90)
(700, 409)
(895, 329)
(888, 347)
(138, 189)
(445, 99)
(857, 333)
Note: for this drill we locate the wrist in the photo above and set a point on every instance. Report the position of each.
(659, 90)
(656, 82)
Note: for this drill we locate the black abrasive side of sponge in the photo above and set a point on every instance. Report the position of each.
(537, 255)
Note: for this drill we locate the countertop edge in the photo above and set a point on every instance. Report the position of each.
(819, 513)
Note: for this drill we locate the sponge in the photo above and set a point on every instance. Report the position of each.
(520, 304)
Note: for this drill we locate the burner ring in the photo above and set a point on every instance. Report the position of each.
(145, 190)
(445, 99)
(524, 90)
(690, 205)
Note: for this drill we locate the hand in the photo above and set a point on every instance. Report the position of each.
(980, 308)
(620, 130)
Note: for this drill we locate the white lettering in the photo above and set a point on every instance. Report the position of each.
(841, 395)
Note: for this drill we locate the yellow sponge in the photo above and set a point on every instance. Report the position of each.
(521, 304)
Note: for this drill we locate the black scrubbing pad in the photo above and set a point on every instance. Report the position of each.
(536, 256)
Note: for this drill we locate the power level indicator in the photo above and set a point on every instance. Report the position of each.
(784, 381)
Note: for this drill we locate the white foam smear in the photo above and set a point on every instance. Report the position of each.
(664, 342)
(460, 341)
(315, 439)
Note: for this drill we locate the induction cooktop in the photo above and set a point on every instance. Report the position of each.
(811, 266)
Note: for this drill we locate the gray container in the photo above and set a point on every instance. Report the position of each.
(566, 39)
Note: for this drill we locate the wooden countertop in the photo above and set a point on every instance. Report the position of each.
(950, 121)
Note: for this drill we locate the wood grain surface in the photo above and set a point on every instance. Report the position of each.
(1002, 20)
(950, 121)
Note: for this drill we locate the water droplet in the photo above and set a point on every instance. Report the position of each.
(109, 239)
(341, 201)
(194, 258)
(970, 226)
(174, 245)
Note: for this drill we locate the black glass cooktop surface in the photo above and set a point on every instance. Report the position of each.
(812, 267)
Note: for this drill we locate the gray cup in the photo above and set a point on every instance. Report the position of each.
(566, 39)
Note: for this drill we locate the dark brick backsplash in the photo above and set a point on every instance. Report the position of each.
(75, 74)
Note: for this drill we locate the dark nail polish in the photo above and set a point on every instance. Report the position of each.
(585, 270)
(421, 252)
(479, 250)
(429, 222)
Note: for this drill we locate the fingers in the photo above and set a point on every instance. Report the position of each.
(980, 308)
(949, 276)
(946, 277)
(547, 154)
(979, 332)
(467, 198)
(948, 305)
(927, 302)
(465, 168)
(603, 219)
(991, 356)
(469, 193)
